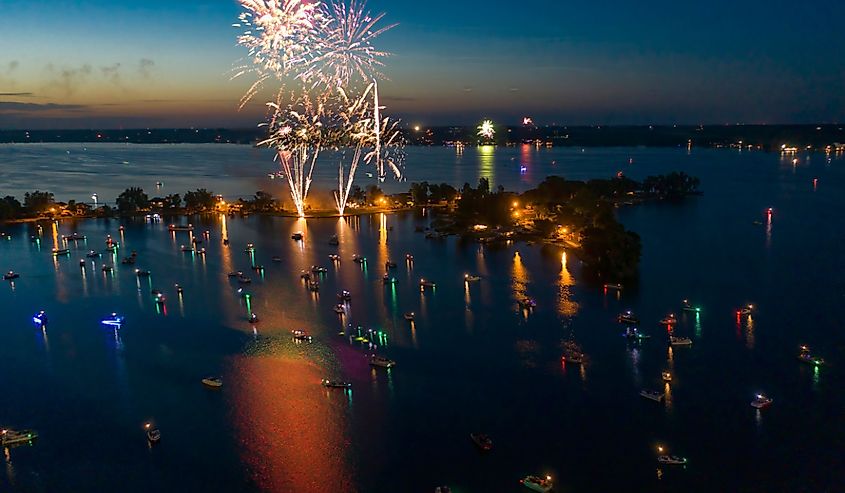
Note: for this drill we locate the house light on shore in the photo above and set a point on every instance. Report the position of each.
(480, 227)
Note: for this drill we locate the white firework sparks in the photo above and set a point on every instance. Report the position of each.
(280, 36)
(486, 130)
(346, 52)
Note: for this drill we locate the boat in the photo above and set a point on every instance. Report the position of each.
(244, 279)
(11, 275)
(469, 278)
(253, 318)
(806, 356)
(213, 382)
(409, 257)
(687, 307)
(634, 334)
(113, 320)
(92, 254)
(40, 319)
(667, 376)
(442, 489)
(627, 317)
(305, 275)
(344, 296)
(359, 259)
(297, 236)
(409, 316)
(107, 268)
(746, 310)
(426, 284)
(235, 274)
(61, 251)
(572, 353)
(389, 265)
(73, 237)
(680, 341)
(761, 401)
(142, 273)
(313, 286)
(669, 320)
(381, 361)
(482, 441)
(160, 298)
(276, 258)
(527, 303)
(536, 483)
(14, 437)
(654, 395)
(187, 249)
(301, 335)
(334, 257)
(336, 384)
(127, 260)
(174, 227)
(82, 262)
(613, 286)
(386, 279)
(333, 241)
(249, 248)
(258, 268)
(318, 270)
(339, 309)
(153, 434)
(672, 460)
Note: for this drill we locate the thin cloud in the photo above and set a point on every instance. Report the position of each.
(145, 67)
(67, 80)
(17, 94)
(16, 107)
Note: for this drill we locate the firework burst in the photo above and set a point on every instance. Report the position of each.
(486, 130)
(346, 52)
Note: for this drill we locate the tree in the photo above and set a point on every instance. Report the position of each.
(374, 194)
(263, 202)
(419, 193)
(173, 201)
(443, 192)
(199, 200)
(357, 194)
(38, 202)
(132, 200)
(10, 208)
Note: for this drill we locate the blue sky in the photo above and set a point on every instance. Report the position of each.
(94, 63)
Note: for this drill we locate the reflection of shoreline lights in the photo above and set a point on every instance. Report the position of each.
(486, 162)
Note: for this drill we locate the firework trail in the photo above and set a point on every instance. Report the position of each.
(325, 48)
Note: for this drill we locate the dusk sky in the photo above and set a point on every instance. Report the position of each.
(163, 63)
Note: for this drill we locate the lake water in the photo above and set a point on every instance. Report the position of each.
(470, 362)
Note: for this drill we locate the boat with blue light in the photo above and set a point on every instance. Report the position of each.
(113, 320)
(40, 319)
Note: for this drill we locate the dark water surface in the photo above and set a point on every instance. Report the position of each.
(471, 361)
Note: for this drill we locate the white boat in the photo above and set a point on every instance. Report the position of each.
(60, 251)
(313, 286)
(409, 257)
(142, 273)
(153, 434)
(301, 335)
(680, 341)
(409, 316)
(761, 401)
(672, 460)
(334, 257)
(339, 309)
(654, 395)
(318, 270)
(469, 278)
(336, 384)
(381, 361)
(627, 317)
(667, 376)
(426, 284)
(536, 483)
(187, 249)
(14, 437)
(344, 295)
(249, 248)
(107, 268)
(687, 307)
(235, 274)
(92, 254)
(73, 237)
(174, 227)
(213, 382)
(806, 356)
(359, 259)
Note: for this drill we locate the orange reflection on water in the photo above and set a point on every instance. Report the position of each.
(290, 429)
(566, 306)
